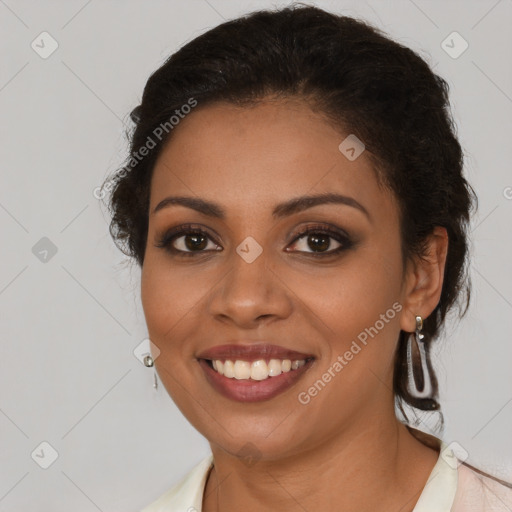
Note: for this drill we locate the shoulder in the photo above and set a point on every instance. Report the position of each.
(479, 491)
(456, 486)
(187, 494)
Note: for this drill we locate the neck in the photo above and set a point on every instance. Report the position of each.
(381, 466)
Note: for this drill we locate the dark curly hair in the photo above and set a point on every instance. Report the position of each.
(357, 78)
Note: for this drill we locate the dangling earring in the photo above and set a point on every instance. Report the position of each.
(148, 361)
(419, 386)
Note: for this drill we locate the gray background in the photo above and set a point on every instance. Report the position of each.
(69, 324)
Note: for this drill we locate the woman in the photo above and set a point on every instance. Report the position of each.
(296, 201)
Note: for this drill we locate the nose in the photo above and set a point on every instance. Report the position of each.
(250, 294)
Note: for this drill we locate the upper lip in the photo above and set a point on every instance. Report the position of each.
(251, 352)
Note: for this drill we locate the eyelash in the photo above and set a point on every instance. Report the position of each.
(165, 242)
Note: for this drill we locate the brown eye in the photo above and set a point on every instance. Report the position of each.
(187, 241)
(192, 242)
(320, 241)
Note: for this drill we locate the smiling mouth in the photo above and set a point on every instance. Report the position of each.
(254, 381)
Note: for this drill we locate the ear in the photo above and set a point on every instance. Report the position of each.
(424, 280)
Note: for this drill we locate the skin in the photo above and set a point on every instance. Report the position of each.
(345, 449)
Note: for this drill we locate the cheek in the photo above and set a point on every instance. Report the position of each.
(171, 303)
(165, 297)
(155, 297)
(359, 308)
(355, 295)
(173, 298)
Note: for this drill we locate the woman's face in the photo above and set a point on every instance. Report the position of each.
(335, 296)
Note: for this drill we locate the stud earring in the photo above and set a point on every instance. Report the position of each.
(148, 362)
(419, 383)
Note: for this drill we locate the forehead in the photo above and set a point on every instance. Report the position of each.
(259, 154)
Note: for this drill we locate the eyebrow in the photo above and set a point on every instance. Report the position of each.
(281, 210)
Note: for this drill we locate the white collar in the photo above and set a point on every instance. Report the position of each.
(439, 492)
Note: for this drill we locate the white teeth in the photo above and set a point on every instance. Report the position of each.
(242, 370)
(257, 370)
(274, 367)
(229, 369)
